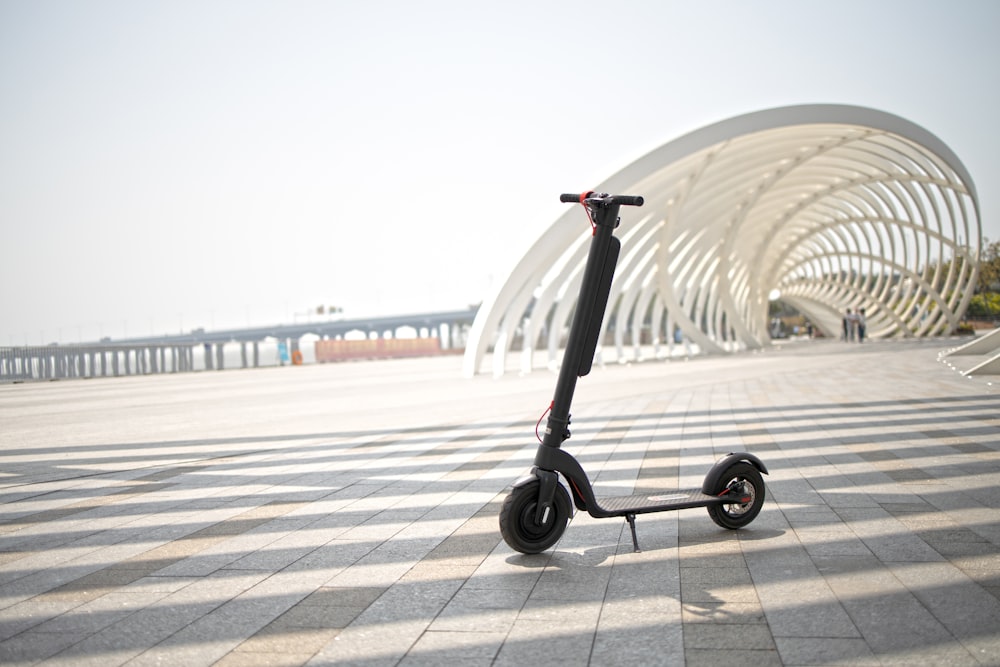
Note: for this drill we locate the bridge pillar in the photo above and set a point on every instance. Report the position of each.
(256, 354)
(243, 353)
(220, 360)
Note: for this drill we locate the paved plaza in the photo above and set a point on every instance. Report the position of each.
(346, 514)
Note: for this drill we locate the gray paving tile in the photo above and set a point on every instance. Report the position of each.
(638, 643)
(334, 538)
(29, 647)
(825, 651)
(949, 596)
(456, 646)
(709, 657)
(528, 640)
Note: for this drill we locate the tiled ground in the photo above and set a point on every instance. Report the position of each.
(347, 514)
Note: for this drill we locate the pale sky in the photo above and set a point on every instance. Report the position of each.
(167, 165)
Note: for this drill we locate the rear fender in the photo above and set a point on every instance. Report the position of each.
(714, 475)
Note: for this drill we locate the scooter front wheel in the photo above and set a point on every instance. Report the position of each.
(517, 519)
(744, 480)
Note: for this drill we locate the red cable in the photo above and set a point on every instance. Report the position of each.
(539, 423)
(583, 199)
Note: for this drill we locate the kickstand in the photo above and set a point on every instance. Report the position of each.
(631, 524)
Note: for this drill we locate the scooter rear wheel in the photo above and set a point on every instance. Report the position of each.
(737, 515)
(517, 519)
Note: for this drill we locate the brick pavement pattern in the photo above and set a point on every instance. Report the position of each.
(347, 515)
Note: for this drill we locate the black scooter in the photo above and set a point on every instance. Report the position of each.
(537, 510)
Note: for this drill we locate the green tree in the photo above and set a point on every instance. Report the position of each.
(989, 267)
(984, 305)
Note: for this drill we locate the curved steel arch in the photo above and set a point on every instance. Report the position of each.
(834, 206)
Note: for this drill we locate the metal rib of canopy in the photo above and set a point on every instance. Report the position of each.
(835, 207)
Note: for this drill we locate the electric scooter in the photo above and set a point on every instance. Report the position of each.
(537, 510)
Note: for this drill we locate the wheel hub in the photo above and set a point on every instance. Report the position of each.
(742, 491)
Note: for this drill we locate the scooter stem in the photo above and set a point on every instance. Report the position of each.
(586, 324)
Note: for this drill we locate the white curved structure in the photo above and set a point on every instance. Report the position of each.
(834, 206)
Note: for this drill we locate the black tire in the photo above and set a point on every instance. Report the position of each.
(737, 515)
(517, 519)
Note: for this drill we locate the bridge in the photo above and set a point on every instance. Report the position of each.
(207, 350)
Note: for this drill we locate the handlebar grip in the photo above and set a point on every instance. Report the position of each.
(623, 200)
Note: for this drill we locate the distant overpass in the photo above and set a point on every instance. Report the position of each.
(334, 328)
(174, 353)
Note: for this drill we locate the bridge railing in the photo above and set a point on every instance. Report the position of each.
(252, 347)
(55, 362)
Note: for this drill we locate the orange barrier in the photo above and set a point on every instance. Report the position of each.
(380, 348)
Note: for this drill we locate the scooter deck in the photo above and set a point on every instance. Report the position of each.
(630, 506)
(657, 502)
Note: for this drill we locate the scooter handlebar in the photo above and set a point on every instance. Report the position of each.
(622, 200)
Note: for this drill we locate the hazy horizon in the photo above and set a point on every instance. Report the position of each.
(167, 166)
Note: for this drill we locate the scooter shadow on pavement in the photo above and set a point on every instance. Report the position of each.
(599, 555)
